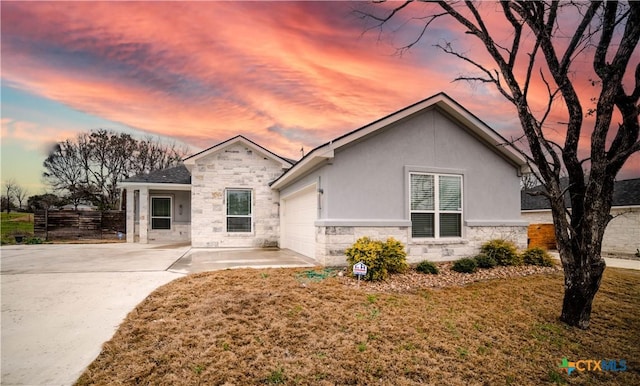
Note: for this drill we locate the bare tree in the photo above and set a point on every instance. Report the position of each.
(9, 191)
(542, 48)
(89, 167)
(20, 194)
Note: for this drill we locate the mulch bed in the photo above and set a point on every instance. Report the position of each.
(413, 280)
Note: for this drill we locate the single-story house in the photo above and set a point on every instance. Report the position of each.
(431, 175)
(622, 235)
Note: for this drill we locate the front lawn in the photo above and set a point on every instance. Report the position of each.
(248, 327)
(15, 223)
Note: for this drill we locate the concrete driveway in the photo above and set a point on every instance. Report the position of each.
(60, 303)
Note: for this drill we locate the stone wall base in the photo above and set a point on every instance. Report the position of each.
(177, 233)
(331, 242)
(235, 240)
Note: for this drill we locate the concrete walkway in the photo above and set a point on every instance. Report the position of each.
(60, 302)
(611, 262)
(204, 259)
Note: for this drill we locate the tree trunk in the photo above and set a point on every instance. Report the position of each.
(580, 287)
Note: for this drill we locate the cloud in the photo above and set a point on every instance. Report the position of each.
(277, 72)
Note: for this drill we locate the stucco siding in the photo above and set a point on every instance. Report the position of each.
(317, 177)
(367, 179)
(234, 167)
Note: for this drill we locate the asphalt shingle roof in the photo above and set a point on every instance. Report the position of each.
(175, 175)
(625, 193)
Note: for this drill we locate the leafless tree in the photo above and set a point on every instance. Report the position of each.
(89, 167)
(541, 47)
(9, 191)
(20, 193)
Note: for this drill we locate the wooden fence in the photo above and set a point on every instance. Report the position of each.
(542, 235)
(73, 225)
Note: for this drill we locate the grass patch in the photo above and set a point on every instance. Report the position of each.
(283, 331)
(15, 223)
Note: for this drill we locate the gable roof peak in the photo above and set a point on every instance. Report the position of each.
(442, 101)
(191, 160)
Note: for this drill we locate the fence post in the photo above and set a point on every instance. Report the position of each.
(46, 224)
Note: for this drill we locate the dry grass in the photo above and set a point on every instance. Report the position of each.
(248, 327)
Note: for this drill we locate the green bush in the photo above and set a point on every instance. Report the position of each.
(394, 255)
(465, 265)
(33, 240)
(380, 258)
(485, 261)
(503, 251)
(537, 256)
(427, 267)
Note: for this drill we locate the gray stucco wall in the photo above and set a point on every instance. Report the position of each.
(318, 177)
(368, 179)
(366, 189)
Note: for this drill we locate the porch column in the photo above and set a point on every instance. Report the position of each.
(131, 214)
(144, 214)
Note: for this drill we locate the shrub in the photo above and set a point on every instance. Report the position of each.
(380, 258)
(485, 261)
(33, 240)
(394, 256)
(465, 265)
(503, 251)
(427, 267)
(537, 256)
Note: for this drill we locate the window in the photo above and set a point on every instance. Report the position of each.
(160, 212)
(238, 210)
(436, 205)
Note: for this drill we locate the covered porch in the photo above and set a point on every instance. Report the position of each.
(158, 213)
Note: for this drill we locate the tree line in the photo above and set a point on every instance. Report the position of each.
(86, 169)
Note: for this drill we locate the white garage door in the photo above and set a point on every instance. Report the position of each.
(297, 222)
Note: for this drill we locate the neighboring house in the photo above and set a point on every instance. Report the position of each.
(622, 235)
(432, 175)
(78, 207)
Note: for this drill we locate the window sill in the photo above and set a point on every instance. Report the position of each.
(239, 234)
(442, 241)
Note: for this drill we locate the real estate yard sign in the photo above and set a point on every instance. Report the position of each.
(360, 270)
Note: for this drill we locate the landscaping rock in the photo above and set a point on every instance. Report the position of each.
(413, 280)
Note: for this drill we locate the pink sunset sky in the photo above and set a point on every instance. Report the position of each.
(284, 74)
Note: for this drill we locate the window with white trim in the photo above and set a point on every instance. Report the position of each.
(239, 217)
(436, 205)
(160, 212)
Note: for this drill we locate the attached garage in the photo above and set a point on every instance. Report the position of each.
(299, 212)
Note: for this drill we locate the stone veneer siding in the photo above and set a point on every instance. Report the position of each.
(331, 242)
(179, 232)
(234, 167)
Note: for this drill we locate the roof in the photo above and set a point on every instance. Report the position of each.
(175, 175)
(442, 101)
(191, 160)
(625, 193)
